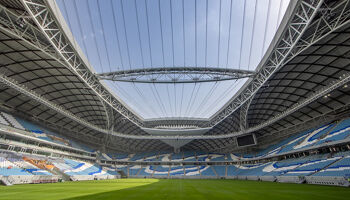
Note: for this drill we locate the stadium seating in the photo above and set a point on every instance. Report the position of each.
(217, 157)
(326, 133)
(39, 132)
(220, 170)
(11, 121)
(12, 164)
(176, 171)
(312, 166)
(191, 170)
(281, 167)
(7, 168)
(340, 167)
(3, 121)
(250, 170)
(323, 165)
(340, 132)
(159, 170)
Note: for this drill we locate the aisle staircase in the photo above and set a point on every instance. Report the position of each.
(216, 174)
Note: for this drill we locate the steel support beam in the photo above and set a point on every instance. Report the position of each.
(46, 16)
(176, 75)
(344, 79)
(288, 44)
(13, 84)
(319, 33)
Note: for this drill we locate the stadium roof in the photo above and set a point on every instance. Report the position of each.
(41, 80)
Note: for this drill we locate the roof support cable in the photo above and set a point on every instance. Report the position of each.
(139, 34)
(162, 48)
(103, 35)
(194, 100)
(126, 94)
(242, 35)
(71, 28)
(195, 84)
(201, 113)
(80, 28)
(266, 28)
(252, 36)
(206, 35)
(169, 100)
(205, 99)
(279, 14)
(116, 34)
(94, 36)
(219, 37)
(125, 33)
(161, 33)
(148, 35)
(160, 99)
(195, 33)
(182, 95)
(227, 92)
(143, 97)
(172, 31)
(229, 35)
(183, 32)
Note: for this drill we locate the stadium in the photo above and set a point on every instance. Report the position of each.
(174, 99)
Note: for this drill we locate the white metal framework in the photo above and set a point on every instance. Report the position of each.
(291, 43)
(284, 49)
(41, 12)
(176, 75)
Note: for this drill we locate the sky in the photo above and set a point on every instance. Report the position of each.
(132, 34)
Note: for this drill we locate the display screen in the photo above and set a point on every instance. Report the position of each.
(246, 140)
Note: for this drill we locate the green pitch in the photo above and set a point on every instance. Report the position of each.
(153, 189)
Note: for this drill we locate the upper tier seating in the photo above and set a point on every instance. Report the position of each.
(3, 121)
(39, 132)
(340, 132)
(12, 121)
(325, 133)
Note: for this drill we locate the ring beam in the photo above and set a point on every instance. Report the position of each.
(176, 75)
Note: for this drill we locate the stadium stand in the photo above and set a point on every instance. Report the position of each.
(256, 166)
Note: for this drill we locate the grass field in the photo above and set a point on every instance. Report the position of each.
(154, 189)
